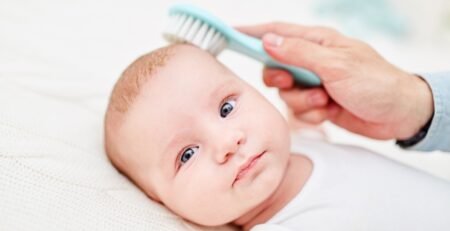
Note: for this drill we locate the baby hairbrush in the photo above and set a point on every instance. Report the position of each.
(189, 24)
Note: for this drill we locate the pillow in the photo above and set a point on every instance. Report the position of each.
(54, 173)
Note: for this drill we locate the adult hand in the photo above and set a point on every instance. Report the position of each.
(360, 91)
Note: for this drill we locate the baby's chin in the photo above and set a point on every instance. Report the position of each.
(246, 203)
(263, 193)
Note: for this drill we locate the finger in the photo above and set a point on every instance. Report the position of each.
(277, 78)
(321, 35)
(299, 52)
(315, 116)
(285, 29)
(352, 123)
(302, 100)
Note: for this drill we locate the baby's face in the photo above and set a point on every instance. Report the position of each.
(193, 128)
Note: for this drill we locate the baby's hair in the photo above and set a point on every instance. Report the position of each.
(135, 76)
(125, 91)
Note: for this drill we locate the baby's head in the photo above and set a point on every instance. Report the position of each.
(181, 126)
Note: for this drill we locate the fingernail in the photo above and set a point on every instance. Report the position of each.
(277, 80)
(317, 99)
(273, 40)
(280, 81)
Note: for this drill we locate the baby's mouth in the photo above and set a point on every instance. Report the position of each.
(247, 166)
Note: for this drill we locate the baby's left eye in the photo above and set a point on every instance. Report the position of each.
(187, 154)
(227, 107)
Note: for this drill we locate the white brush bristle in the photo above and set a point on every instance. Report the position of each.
(184, 28)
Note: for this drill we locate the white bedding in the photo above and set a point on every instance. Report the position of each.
(58, 61)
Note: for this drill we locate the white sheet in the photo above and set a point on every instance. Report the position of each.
(58, 61)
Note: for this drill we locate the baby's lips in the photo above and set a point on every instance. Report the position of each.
(246, 166)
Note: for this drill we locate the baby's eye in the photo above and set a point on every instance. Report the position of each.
(187, 154)
(227, 107)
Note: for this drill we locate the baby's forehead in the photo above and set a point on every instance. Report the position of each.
(188, 66)
(190, 77)
(193, 55)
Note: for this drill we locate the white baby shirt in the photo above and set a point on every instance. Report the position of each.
(351, 188)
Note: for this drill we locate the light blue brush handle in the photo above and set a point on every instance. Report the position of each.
(245, 44)
(253, 47)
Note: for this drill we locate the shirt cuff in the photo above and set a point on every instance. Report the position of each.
(438, 136)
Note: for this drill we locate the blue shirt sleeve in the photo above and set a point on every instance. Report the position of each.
(438, 136)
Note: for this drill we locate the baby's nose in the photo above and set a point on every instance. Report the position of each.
(230, 145)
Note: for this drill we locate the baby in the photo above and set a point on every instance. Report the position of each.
(201, 141)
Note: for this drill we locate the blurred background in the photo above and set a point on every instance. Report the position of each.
(74, 51)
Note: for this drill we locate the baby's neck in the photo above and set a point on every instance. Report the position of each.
(297, 173)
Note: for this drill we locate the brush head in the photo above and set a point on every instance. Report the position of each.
(187, 26)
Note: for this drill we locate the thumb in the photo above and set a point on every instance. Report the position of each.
(297, 52)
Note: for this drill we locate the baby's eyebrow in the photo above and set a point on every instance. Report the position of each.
(223, 86)
(219, 91)
(167, 154)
